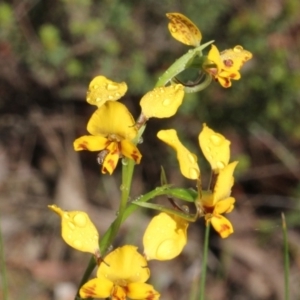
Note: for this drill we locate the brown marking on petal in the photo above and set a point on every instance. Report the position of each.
(83, 146)
(228, 62)
(111, 163)
(114, 293)
(208, 209)
(224, 228)
(135, 155)
(89, 291)
(116, 151)
(233, 75)
(227, 82)
(151, 295)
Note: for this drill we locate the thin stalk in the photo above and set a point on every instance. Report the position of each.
(110, 234)
(107, 239)
(3, 269)
(204, 263)
(286, 259)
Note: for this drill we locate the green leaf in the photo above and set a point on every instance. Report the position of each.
(188, 217)
(181, 64)
(188, 195)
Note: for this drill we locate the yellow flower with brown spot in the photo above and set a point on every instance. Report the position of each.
(165, 237)
(112, 131)
(122, 274)
(184, 30)
(225, 66)
(214, 204)
(216, 150)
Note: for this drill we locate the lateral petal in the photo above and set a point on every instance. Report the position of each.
(187, 160)
(165, 237)
(162, 102)
(96, 288)
(77, 230)
(215, 148)
(90, 142)
(142, 291)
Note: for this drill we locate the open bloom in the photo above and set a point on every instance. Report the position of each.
(216, 150)
(214, 204)
(122, 274)
(112, 131)
(77, 230)
(165, 237)
(227, 64)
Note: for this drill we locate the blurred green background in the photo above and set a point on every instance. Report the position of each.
(50, 51)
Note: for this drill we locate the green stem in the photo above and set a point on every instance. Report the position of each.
(127, 175)
(3, 270)
(286, 259)
(110, 234)
(204, 263)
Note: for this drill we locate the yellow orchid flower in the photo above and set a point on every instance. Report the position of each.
(165, 237)
(122, 274)
(187, 161)
(112, 130)
(215, 148)
(214, 204)
(102, 90)
(77, 230)
(227, 64)
(162, 102)
(184, 30)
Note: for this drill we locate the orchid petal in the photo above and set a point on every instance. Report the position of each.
(221, 225)
(96, 288)
(187, 160)
(91, 143)
(112, 119)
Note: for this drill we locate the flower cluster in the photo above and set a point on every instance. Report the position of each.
(222, 66)
(215, 201)
(114, 134)
(112, 127)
